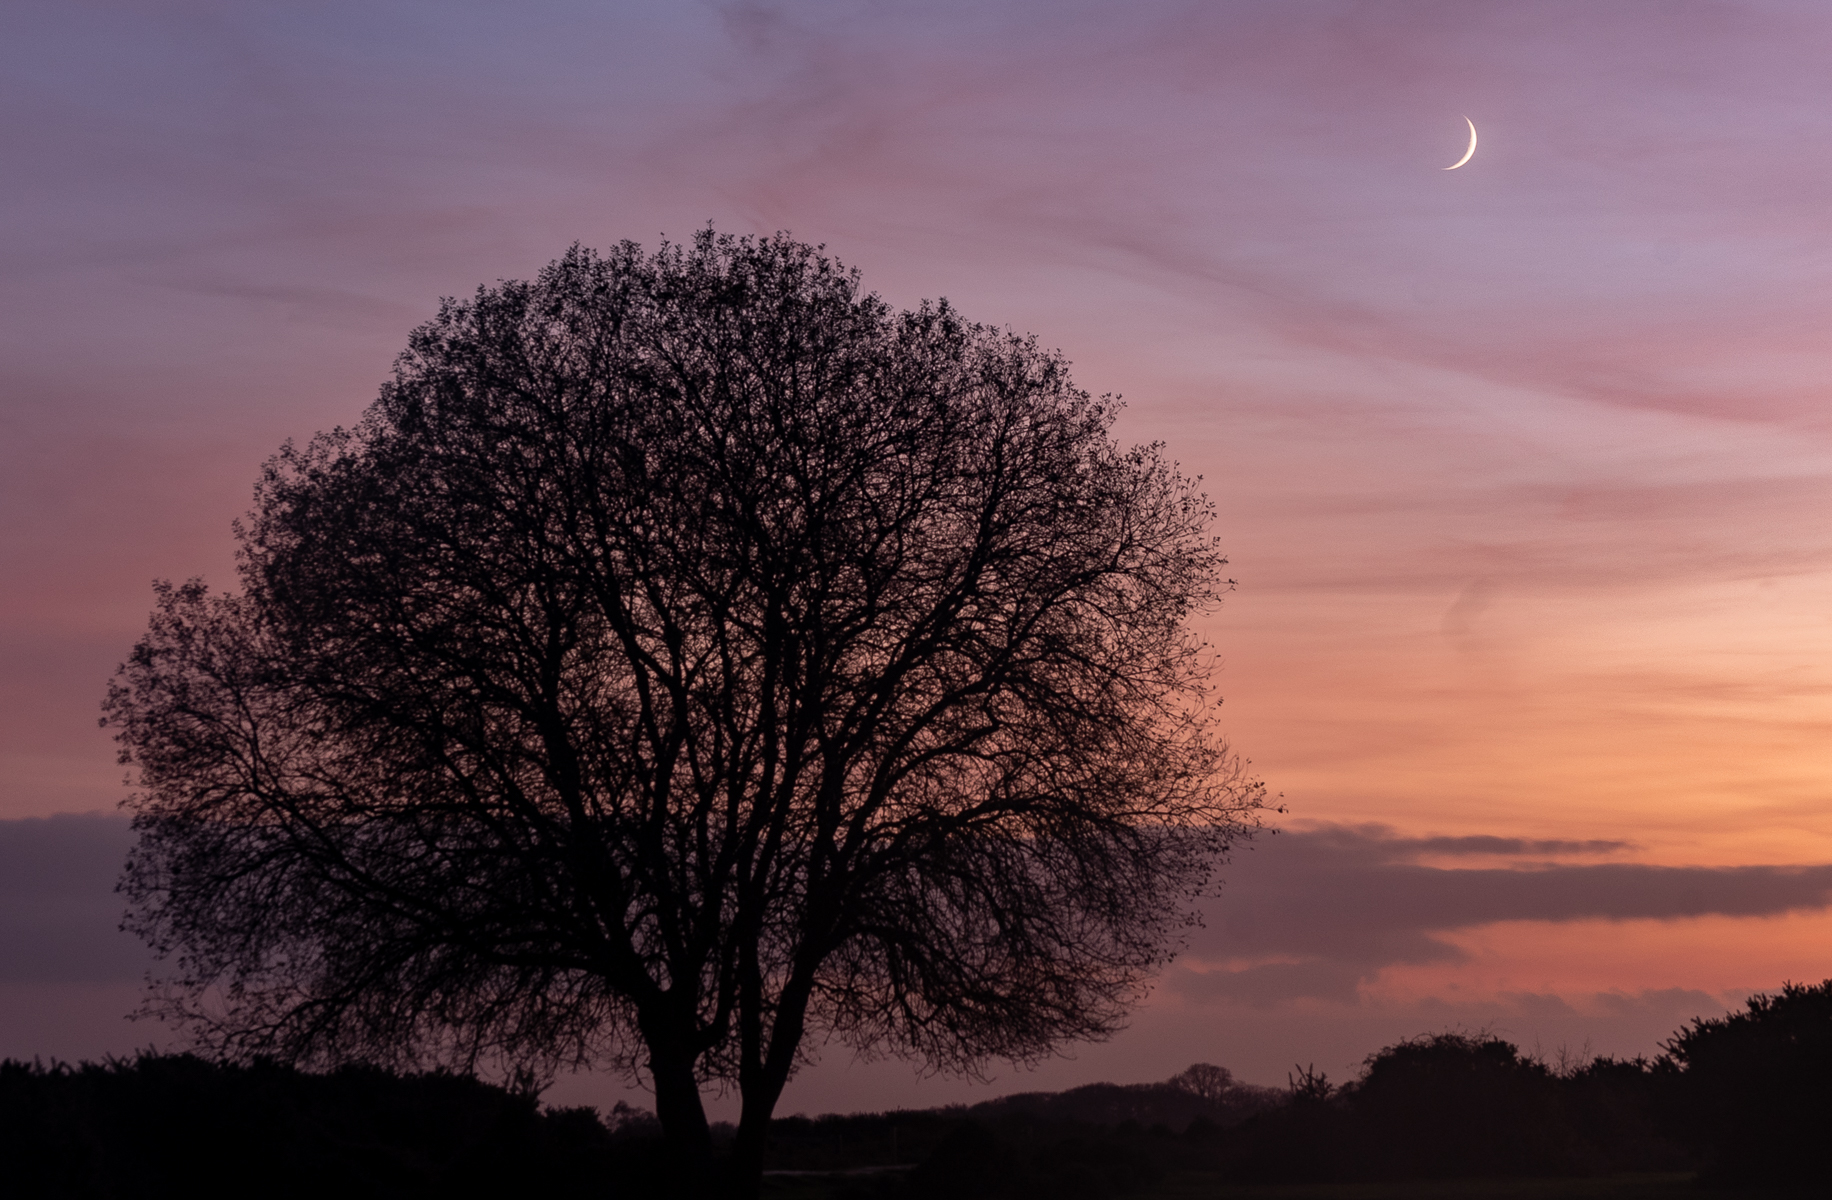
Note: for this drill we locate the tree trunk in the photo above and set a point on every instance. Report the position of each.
(741, 1175)
(685, 1132)
(760, 1085)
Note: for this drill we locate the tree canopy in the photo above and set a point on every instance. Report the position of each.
(686, 660)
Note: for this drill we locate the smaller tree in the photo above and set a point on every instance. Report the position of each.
(1210, 1082)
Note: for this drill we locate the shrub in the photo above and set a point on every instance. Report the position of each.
(178, 1125)
(1756, 1087)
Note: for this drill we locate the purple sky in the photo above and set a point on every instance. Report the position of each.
(1524, 468)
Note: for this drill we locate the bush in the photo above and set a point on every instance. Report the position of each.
(177, 1125)
(1453, 1105)
(1756, 1088)
(1622, 1108)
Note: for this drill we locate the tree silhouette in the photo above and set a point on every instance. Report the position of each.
(686, 657)
(1210, 1082)
(1756, 1087)
(1453, 1104)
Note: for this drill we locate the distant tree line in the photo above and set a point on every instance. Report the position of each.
(1744, 1100)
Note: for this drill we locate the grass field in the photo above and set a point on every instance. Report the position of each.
(1206, 1186)
(1193, 1186)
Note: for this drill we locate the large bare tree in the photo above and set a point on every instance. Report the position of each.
(686, 661)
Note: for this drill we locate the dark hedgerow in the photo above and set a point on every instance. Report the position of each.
(1756, 1087)
(177, 1125)
(1453, 1105)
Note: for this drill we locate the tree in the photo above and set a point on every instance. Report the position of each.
(687, 656)
(1210, 1082)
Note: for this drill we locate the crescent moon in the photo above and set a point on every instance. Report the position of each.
(1467, 153)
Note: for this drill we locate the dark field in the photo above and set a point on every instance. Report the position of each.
(1201, 1185)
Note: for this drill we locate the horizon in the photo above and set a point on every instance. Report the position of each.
(1522, 467)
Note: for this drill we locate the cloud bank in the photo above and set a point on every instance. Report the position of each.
(1305, 913)
(1318, 912)
(59, 915)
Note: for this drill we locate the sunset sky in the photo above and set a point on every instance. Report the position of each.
(1524, 469)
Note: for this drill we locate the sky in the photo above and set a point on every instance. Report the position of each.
(1524, 469)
